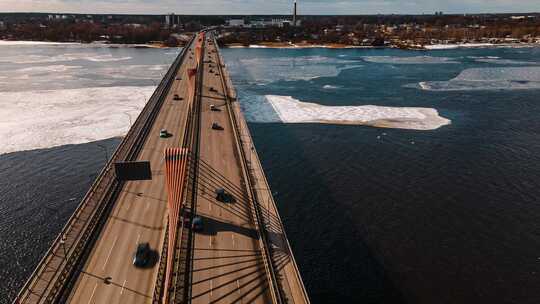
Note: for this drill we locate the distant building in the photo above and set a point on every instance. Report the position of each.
(236, 23)
(172, 20)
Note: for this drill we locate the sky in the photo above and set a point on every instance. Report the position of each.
(263, 7)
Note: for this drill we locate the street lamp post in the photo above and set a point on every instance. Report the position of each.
(63, 244)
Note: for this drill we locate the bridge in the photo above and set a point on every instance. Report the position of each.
(204, 207)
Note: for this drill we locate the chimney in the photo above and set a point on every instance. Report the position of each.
(294, 14)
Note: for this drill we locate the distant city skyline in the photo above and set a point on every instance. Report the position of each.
(263, 7)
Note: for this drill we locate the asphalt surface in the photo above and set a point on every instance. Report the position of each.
(227, 262)
(139, 215)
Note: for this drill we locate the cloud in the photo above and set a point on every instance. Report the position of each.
(269, 7)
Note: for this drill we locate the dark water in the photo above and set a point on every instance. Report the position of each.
(452, 218)
(450, 215)
(39, 191)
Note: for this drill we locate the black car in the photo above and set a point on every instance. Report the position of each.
(177, 97)
(142, 255)
(216, 126)
(197, 224)
(223, 196)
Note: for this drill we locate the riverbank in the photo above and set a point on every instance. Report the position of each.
(95, 43)
(432, 47)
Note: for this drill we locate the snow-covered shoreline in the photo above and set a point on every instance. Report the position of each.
(434, 47)
(91, 44)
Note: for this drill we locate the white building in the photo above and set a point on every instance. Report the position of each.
(236, 23)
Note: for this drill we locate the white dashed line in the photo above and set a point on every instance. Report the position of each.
(211, 286)
(92, 295)
(123, 286)
(138, 238)
(110, 251)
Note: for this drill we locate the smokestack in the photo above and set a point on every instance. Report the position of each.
(294, 14)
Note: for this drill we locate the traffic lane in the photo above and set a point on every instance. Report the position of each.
(218, 275)
(98, 289)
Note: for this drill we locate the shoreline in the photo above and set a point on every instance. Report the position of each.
(280, 45)
(94, 43)
(431, 47)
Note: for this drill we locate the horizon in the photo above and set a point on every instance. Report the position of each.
(276, 14)
(278, 7)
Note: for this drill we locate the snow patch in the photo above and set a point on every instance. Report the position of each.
(271, 69)
(48, 118)
(496, 78)
(409, 60)
(274, 108)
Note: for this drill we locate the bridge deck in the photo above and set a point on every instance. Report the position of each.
(139, 215)
(241, 256)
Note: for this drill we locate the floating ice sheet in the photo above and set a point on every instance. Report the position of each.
(270, 69)
(409, 60)
(496, 78)
(44, 119)
(273, 108)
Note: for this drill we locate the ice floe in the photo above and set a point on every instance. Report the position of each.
(504, 61)
(409, 60)
(48, 118)
(40, 43)
(494, 78)
(286, 109)
(456, 46)
(270, 69)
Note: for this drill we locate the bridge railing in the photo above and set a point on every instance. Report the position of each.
(58, 266)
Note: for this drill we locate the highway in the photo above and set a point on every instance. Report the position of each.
(139, 215)
(240, 255)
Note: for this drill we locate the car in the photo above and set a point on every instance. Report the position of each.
(178, 78)
(163, 133)
(216, 126)
(177, 97)
(197, 225)
(223, 196)
(214, 108)
(142, 255)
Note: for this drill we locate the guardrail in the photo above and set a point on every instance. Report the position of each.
(58, 268)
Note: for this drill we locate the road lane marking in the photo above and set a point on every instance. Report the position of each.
(110, 251)
(123, 286)
(238, 286)
(210, 241)
(147, 206)
(138, 238)
(232, 236)
(92, 295)
(211, 286)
